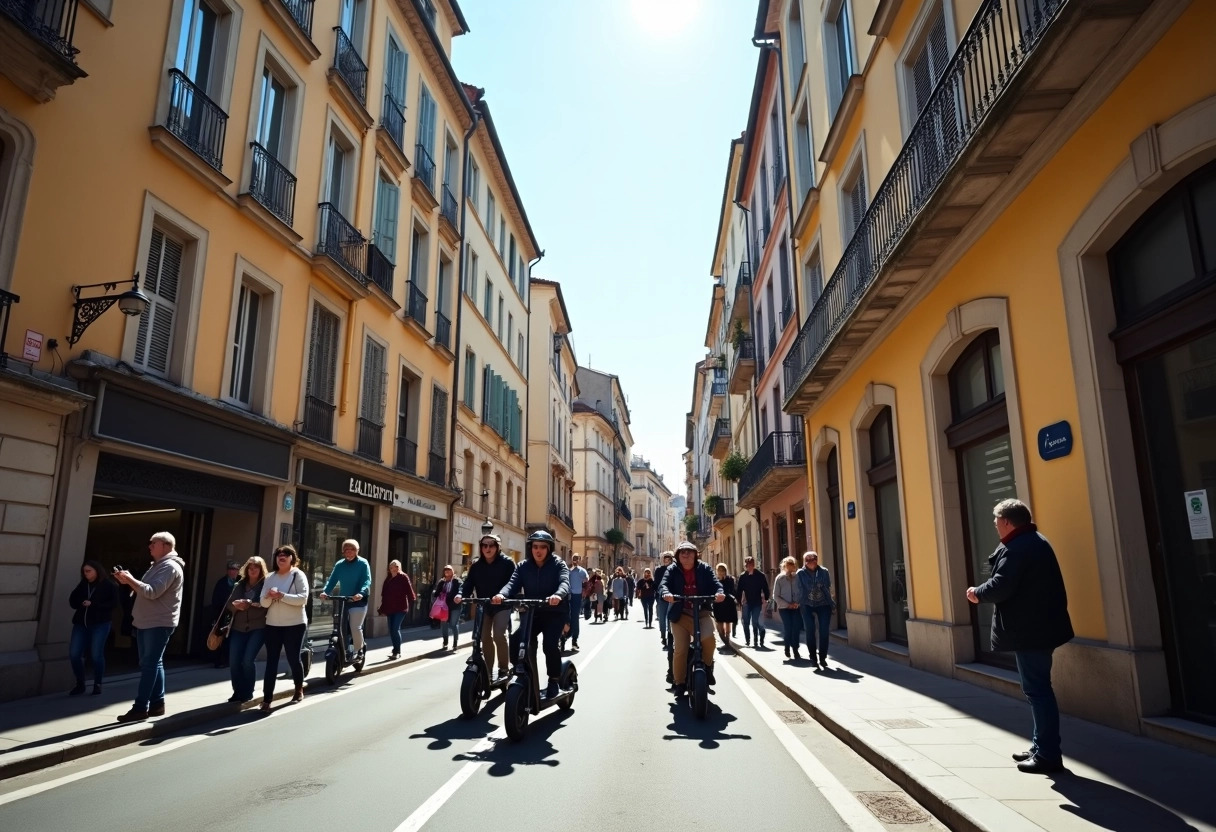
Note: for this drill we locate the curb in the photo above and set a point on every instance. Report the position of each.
(940, 807)
(18, 762)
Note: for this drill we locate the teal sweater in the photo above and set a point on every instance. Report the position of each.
(353, 577)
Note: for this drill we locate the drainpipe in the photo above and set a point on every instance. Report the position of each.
(460, 283)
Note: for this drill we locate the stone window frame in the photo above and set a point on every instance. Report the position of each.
(16, 169)
(271, 290)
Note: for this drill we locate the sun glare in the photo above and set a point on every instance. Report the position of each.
(664, 18)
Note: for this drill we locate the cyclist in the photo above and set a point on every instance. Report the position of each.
(690, 576)
(353, 575)
(486, 576)
(542, 575)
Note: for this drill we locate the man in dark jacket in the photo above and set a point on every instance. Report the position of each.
(486, 576)
(542, 575)
(668, 558)
(219, 603)
(753, 592)
(690, 576)
(1030, 619)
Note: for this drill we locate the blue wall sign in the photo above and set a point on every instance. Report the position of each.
(851, 509)
(288, 501)
(1055, 441)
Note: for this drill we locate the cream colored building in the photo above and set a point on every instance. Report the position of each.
(602, 448)
(651, 498)
(550, 501)
(492, 331)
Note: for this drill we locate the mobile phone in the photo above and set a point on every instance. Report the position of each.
(118, 569)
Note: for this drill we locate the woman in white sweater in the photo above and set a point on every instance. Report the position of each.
(284, 594)
(785, 593)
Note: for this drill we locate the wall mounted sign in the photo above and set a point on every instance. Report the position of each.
(336, 481)
(1198, 514)
(423, 505)
(851, 509)
(32, 350)
(1055, 441)
(288, 501)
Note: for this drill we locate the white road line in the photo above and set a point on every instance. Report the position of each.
(444, 793)
(364, 684)
(856, 816)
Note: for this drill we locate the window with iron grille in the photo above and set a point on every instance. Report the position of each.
(161, 283)
(323, 355)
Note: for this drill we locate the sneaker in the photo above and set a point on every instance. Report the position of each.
(76, 691)
(133, 715)
(709, 674)
(679, 690)
(157, 710)
(445, 644)
(575, 643)
(1039, 765)
(503, 672)
(552, 690)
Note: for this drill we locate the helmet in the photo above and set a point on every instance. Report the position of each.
(684, 544)
(542, 536)
(494, 537)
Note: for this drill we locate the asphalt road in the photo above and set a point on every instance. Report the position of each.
(390, 752)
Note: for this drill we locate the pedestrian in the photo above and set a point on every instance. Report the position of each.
(219, 608)
(725, 613)
(690, 576)
(1031, 619)
(620, 589)
(666, 560)
(578, 579)
(646, 591)
(284, 595)
(785, 593)
(631, 586)
(396, 597)
(154, 616)
(753, 592)
(815, 604)
(247, 632)
(448, 587)
(597, 595)
(487, 575)
(94, 600)
(352, 576)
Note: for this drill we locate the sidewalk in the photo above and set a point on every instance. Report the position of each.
(43, 731)
(947, 743)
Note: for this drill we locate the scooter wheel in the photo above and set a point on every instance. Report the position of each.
(515, 712)
(471, 685)
(699, 692)
(568, 681)
(331, 669)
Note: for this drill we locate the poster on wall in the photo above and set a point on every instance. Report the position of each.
(1199, 515)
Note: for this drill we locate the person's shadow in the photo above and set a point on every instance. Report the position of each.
(534, 749)
(708, 732)
(1111, 807)
(443, 734)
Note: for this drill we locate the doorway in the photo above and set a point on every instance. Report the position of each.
(836, 536)
(883, 477)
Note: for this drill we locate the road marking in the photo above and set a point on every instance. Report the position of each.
(30, 791)
(856, 816)
(444, 793)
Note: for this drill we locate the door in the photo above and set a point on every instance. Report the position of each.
(883, 477)
(322, 546)
(836, 534)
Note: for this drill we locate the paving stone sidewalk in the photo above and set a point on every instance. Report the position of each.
(43, 731)
(947, 743)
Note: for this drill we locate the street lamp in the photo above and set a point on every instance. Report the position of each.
(132, 302)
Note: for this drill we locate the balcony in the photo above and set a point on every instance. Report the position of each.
(449, 226)
(415, 306)
(369, 441)
(407, 455)
(725, 514)
(443, 331)
(1016, 68)
(348, 79)
(341, 251)
(380, 269)
(717, 393)
(295, 19)
(196, 124)
(318, 419)
(625, 512)
(423, 183)
(780, 462)
(392, 119)
(778, 177)
(741, 308)
(437, 468)
(36, 51)
(719, 440)
(743, 366)
(272, 184)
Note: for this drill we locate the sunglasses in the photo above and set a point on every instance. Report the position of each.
(284, 556)
(488, 545)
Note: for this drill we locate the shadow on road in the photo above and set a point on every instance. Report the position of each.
(533, 750)
(708, 732)
(443, 734)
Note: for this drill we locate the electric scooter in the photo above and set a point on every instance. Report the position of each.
(476, 684)
(697, 675)
(340, 653)
(523, 699)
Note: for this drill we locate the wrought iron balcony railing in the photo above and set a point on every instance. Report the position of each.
(380, 269)
(342, 241)
(778, 177)
(743, 283)
(448, 206)
(443, 331)
(437, 468)
(725, 509)
(369, 441)
(318, 419)
(424, 167)
(415, 303)
(271, 183)
(350, 66)
(301, 13)
(392, 119)
(52, 22)
(407, 455)
(746, 351)
(1000, 40)
(779, 449)
(195, 119)
(718, 388)
(625, 512)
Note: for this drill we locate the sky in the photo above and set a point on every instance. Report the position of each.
(616, 117)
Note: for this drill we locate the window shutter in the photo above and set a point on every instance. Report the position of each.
(154, 341)
(387, 202)
(374, 382)
(439, 419)
(323, 355)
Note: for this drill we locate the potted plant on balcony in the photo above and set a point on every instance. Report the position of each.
(737, 334)
(713, 503)
(720, 362)
(733, 466)
(616, 537)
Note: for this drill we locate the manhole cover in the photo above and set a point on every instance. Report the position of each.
(892, 807)
(298, 788)
(892, 724)
(792, 717)
(755, 675)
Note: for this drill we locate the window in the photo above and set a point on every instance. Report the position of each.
(520, 348)
(470, 380)
(439, 435)
(796, 48)
(396, 67)
(489, 299)
(273, 102)
(523, 278)
(472, 187)
(511, 262)
(787, 293)
(420, 252)
(407, 423)
(322, 377)
(812, 278)
(491, 214)
(441, 285)
(384, 227)
(839, 54)
(373, 398)
(162, 280)
(451, 173)
(470, 276)
(502, 237)
(341, 172)
(248, 371)
(805, 152)
(853, 202)
(426, 124)
(500, 311)
(882, 476)
(351, 14)
(200, 46)
(510, 332)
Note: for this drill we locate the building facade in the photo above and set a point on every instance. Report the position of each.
(550, 503)
(1007, 293)
(650, 499)
(602, 450)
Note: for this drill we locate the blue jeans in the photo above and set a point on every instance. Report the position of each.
(1034, 670)
(821, 615)
(242, 652)
(451, 627)
(576, 617)
(664, 624)
(92, 639)
(791, 628)
(395, 620)
(151, 642)
(751, 618)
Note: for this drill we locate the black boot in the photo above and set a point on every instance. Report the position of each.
(76, 691)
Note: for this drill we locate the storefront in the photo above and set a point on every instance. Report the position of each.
(413, 539)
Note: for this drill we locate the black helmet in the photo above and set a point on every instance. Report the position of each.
(542, 536)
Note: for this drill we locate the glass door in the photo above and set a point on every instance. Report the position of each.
(987, 478)
(837, 538)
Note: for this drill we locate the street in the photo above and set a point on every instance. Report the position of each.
(390, 752)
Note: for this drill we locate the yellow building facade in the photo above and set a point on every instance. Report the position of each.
(1004, 294)
(602, 483)
(294, 235)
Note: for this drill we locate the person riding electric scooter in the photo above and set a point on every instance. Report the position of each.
(486, 577)
(541, 584)
(690, 576)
